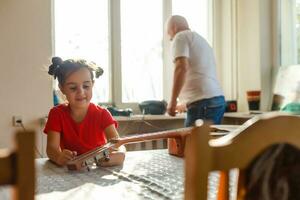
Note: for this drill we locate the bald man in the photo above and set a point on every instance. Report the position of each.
(195, 81)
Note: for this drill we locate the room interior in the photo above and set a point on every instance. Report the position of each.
(256, 46)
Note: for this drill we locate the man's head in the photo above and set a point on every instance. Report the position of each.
(175, 24)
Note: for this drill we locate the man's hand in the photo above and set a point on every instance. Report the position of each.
(181, 108)
(65, 156)
(172, 108)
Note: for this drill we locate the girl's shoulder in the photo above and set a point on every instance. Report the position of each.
(97, 108)
(61, 108)
(99, 111)
(102, 114)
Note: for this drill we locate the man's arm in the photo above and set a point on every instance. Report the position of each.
(181, 64)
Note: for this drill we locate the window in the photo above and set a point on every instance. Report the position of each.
(135, 54)
(287, 83)
(141, 49)
(196, 12)
(81, 31)
(290, 32)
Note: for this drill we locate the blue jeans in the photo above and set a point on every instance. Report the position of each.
(207, 109)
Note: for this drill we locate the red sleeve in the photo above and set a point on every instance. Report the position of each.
(107, 119)
(53, 122)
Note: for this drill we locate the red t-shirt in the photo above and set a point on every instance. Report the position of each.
(83, 136)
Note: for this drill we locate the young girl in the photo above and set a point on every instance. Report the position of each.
(78, 126)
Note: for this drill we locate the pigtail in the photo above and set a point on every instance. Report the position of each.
(98, 72)
(92, 66)
(53, 69)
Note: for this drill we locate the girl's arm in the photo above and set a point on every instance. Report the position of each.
(117, 156)
(54, 152)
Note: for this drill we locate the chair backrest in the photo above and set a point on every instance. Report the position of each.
(17, 167)
(235, 150)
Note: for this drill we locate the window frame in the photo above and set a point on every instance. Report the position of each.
(115, 44)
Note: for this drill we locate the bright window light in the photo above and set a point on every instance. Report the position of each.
(141, 48)
(196, 13)
(81, 31)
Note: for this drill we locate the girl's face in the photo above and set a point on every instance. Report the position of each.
(78, 88)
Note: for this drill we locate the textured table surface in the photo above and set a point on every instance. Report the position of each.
(150, 174)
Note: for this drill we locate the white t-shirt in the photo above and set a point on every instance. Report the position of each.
(201, 78)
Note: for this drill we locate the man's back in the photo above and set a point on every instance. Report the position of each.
(201, 79)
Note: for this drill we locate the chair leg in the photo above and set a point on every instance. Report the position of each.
(25, 179)
(196, 186)
(241, 189)
(197, 164)
(223, 189)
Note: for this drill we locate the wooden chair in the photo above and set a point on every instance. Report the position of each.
(17, 167)
(235, 150)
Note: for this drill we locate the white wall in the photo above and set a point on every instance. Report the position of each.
(244, 45)
(248, 49)
(25, 50)
(255, 50)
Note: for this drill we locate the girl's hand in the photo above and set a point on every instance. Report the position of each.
(116, 157)
(65, 156)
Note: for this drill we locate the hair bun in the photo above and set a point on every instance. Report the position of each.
(56, 61)
(99, 72)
